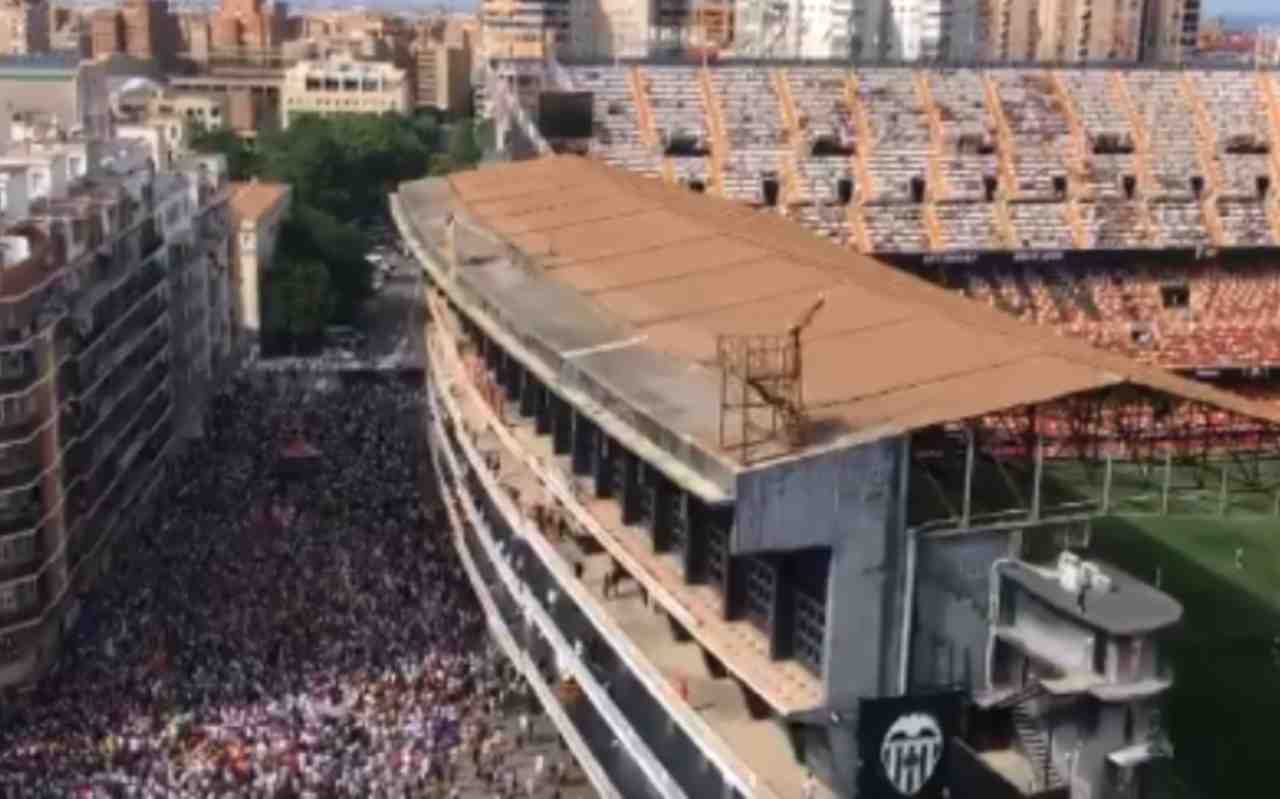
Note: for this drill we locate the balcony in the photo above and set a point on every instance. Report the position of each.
(151, 241)
(101, 497)
(17, 371)
(23, 428)
(22, 599)
(21, 520)
(18, 553)
(25, 473)
(124, 348)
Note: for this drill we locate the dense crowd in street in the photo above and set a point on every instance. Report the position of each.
(291, 622)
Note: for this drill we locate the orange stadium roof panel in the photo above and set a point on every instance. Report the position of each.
(888, 353)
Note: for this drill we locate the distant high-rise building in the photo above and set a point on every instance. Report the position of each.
(1170, 30)
(440, 69)
(24, 27)
(523, 29)
(143, 29)
(1087, 30)
(248, 25)
(905, 30)
(1090, 30)
(106, 32)
(194, 35)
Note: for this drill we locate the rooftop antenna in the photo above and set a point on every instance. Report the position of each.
(762, 386)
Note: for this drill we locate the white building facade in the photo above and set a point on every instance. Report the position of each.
(868, 30)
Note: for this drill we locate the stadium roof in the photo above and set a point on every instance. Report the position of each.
(889, 353)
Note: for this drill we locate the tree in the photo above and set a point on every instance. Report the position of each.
(311, 234)
(464, 149)
(310, 159)
(299, 299)
(242, 161)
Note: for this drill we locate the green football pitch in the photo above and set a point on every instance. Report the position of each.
(1225, 704)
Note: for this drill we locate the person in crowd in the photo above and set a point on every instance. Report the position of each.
(267, 633)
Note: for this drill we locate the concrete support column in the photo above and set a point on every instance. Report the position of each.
(507, 377)
(584, 439)
(541, 409)
(782, 635)
(561, 425)
(527, 388)
(627, 485)
(602, 466)
(682, 522)
(695, 549)
(659, 525)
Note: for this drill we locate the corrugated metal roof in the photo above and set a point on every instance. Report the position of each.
(888, 353)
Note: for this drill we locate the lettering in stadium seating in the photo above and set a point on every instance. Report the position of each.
(952, 258)
(1039, 256)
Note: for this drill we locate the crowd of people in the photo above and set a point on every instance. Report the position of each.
(291, 621)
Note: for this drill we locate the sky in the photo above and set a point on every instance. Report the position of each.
(1213, 8)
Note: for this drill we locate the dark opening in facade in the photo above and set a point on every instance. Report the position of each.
(769, 188)
(844, 190)
(917, 189)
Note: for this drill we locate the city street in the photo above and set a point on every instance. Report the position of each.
(391, 319)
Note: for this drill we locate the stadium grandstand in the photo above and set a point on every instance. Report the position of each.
(736, 498)
(1133, 208)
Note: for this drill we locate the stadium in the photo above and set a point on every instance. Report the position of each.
(1132, 208)
(746, 505)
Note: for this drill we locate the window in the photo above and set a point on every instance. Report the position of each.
(15, 409)
(12, 364)
(16, 596)
(17, 549)
(12, 503)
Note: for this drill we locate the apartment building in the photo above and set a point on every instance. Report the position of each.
(202, 110)
(61, 86)
(441, 73)
(69, 32)
(896, 30)
(143, 29)
(343, 86)
(1069, 31)
(1171, 30)
(24, 27)
(257, 212)
(1089, 30)
(194, 35)
(524, 28)
(247, 25)
(163, 136)
(105, 357)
